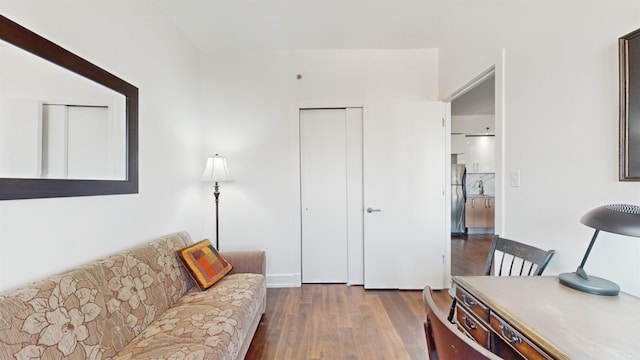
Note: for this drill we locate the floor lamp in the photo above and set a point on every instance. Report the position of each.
(216, 171)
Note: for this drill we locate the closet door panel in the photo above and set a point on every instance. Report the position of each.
(324, 195)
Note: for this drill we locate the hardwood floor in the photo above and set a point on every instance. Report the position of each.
(335, 321)
(469, 254)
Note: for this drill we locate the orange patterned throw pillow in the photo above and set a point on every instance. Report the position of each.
(203, 263)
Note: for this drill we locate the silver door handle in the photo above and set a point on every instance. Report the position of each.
(370, 210)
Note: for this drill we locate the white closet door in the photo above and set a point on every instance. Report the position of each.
(88, 147)
(404, 183)
(324, 195)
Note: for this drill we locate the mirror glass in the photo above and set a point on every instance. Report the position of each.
(56, 124)
(67, 126)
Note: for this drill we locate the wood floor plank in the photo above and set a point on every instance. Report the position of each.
(407, 323)
(387, 333)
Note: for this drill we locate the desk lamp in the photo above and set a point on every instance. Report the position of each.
(618, 219)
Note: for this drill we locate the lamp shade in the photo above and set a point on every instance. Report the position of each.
(620, 219)
(216, 170)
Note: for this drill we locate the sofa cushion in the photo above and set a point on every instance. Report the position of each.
(211, 324)
(204, 264)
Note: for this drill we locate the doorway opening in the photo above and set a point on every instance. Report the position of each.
(473, 174)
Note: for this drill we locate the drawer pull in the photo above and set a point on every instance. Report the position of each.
(468, 323)
(510, 335)
(469, 301)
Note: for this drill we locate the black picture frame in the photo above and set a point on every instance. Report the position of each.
(629, 137)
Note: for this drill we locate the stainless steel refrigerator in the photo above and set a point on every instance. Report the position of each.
(458, 198)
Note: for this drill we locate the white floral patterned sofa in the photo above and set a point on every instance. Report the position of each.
(138, 304)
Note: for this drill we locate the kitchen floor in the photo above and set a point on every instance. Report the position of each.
(469, 254)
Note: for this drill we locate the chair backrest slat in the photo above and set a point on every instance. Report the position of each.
(513, 260)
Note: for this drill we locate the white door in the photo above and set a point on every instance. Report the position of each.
(331, 185)
(404, 183)
(88, 142)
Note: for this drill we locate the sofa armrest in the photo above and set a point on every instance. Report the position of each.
(246, 261)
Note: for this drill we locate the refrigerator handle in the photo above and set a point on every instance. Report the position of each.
(464, 185)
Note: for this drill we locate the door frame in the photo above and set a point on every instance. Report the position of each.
(497, 69)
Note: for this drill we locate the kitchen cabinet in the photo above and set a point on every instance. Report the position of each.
(479, 212)
(479, 154)
(457, 143)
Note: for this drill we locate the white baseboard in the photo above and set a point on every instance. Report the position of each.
(283, 280)
(293, 280)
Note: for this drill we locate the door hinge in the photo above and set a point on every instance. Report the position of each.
(443, 258)
(442, 122)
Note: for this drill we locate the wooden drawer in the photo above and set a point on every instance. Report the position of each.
(516, 340)
(472, 304)
(472, 326)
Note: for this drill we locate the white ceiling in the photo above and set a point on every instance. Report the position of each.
(480, 100)
(224, 25)
(255, 25)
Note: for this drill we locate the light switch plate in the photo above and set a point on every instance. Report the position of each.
(515, 178)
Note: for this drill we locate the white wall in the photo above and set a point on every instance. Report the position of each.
(128, 38)
(559, 122)
(250, 116)
(473, 124)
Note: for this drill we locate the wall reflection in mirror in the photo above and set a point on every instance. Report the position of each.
(55, 124)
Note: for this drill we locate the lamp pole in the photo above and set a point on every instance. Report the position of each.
(216, 194)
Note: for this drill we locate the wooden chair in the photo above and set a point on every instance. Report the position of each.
(517, 259)
(444, 340)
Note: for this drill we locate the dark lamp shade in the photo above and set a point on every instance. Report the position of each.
(619, 219)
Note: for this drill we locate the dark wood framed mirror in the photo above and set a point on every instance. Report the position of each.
(39, 186)
(629, 153)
